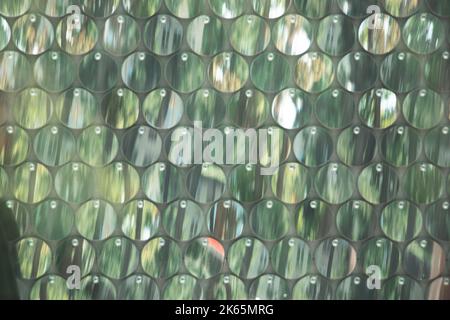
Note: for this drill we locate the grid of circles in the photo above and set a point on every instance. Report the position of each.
(90, 100)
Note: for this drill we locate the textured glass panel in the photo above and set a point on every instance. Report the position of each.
(226, 149)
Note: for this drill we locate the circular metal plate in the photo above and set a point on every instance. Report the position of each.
(53, 219)
(437, 220)
(291, 183)
(355, 220)
(270, 9)
(34, 257)
(118, 258)
(121, 35)
(98, 72)
(400, 146)
(292, 35)
(185, 72)
(96, 220)
(246, 183)
(335, 183)
(163, 109)
(226, 219)
(248, 258)
(423, 183)
(291, 258)
(248, 109)
(163, 35)
(335, 35)
(31, 182)
(76, 108)
(141, 72)
(335, 258)
(33, 34)
(207, 107)
(378, 108)
(270, 72)
(379, 40)
(312, 220)
(269, 287)
(401, 221)
(140, 220)
(314, 72)
(424, 259)
(292, 108)
(16, 71)
(206, 183)
(227, 9)
(260, 35)
(54, 146)
(378, 183)
(270, 220)
(335, 109)
(357, 72)
(399, 71)
(423, 33)
(162, 183)
(141, 8)
(206, 35)
(183, 220)
(423, 109)
(161, 258)
(14, 144)
(312, 287)
(313, 146)
(97, 146)
(141, 146)
(228, 72)
(73, 182)
(204, 257)
(77, 38)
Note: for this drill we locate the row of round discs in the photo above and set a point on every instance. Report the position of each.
(227, 72)
(163, 109)
(290, 260)
(335, 183)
